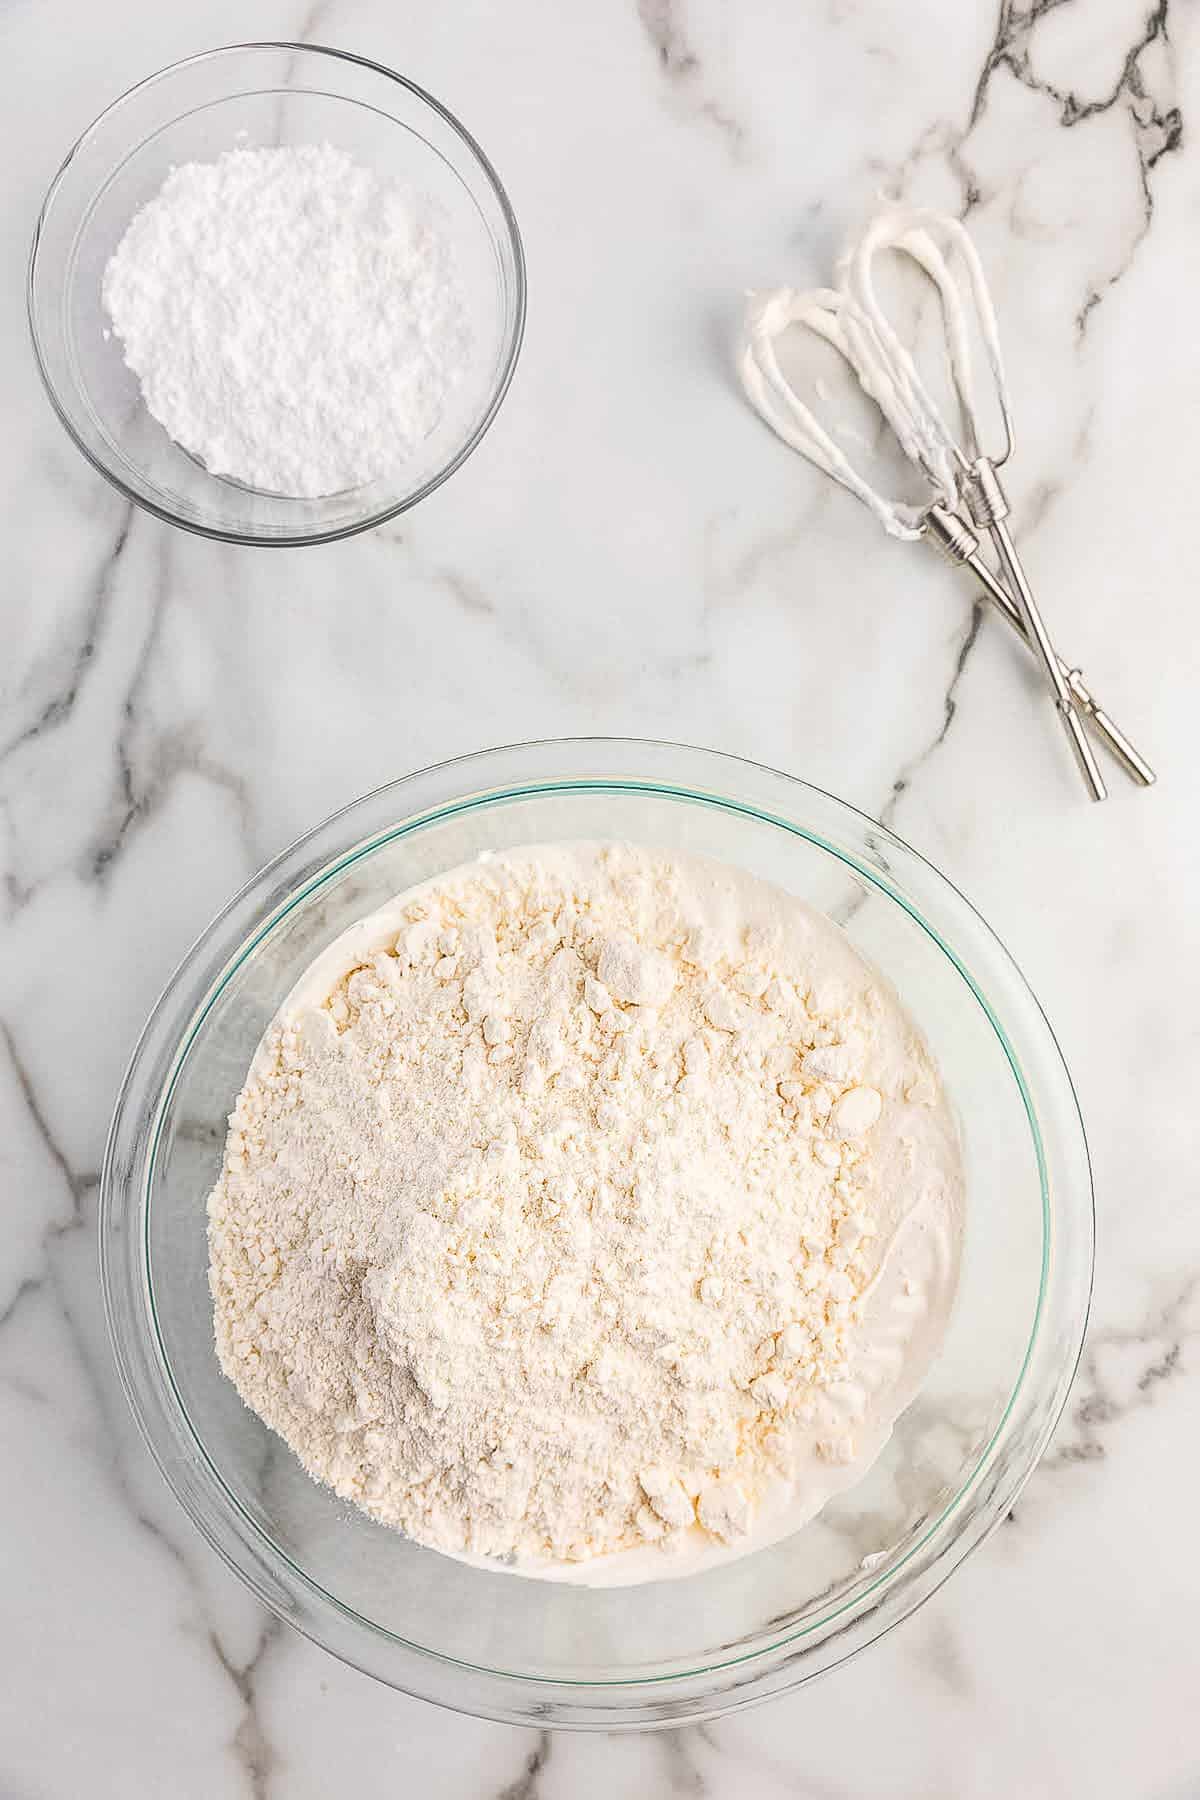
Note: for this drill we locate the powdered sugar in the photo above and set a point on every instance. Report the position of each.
(295, 321)
(530, 1246)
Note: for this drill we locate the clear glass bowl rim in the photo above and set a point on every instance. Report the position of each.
(369, 521)
(563, 766)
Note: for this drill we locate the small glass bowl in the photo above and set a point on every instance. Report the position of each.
(535, 1652)
(256, 95)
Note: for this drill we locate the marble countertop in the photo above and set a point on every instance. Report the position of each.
(631, 552)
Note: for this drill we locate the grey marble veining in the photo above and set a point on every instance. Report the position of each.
(630, 552)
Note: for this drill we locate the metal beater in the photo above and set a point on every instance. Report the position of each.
(960, 479)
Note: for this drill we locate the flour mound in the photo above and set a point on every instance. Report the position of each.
(552, 1197)
(294, 320)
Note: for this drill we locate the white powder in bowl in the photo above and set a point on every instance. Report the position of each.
(593, 1207)
(295, 321)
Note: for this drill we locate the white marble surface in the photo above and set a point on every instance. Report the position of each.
(630, 552)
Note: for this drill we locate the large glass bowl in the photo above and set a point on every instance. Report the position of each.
(262, 95)
(536, 1652)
